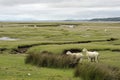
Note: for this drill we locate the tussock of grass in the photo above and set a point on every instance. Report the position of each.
(46, 59)
(91, 71)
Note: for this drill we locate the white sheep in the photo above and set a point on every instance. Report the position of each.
(92, 56)
(78, 56)
(105, 30)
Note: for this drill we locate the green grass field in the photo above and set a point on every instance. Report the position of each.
(12, 67)
(56, 39)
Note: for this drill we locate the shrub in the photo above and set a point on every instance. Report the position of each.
(47, 59)
(92, 71)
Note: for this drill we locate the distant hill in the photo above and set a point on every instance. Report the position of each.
(97, 19)
(106, 19)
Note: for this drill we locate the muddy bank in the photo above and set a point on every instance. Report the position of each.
(2, 50)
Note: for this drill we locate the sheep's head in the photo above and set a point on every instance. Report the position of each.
(68, 52)
(84, 50)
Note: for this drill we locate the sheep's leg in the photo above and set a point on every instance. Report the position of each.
(92, 59)
(80, 60)
(89, 59)
(96, 59)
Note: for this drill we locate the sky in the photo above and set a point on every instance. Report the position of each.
(18, 10)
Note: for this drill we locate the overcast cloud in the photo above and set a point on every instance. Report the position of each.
(58, 9)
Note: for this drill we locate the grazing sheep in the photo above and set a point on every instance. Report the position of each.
(78, 56)
(71, 26)
(92, 56)
(105, 30)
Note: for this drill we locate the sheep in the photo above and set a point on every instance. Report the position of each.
(71, 26)
(92, 56)
(77, 56)
(105, 30)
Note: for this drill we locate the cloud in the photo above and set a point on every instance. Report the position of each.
(58, 9)
(86, 3)
(64, 3)
(21, 2)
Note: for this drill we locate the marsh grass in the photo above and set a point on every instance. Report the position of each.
(58, 49)
(12, 67)
(46, 34)
(92, 71)
(46, 59)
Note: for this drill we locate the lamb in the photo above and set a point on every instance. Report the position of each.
(92, 56)
(78, 56)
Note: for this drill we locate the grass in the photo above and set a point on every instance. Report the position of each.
(97, 72)
(57, 34)
(110, 58)
(50, 60)
(107, 57)
(12, 67)
(59, 49)
(108, 67)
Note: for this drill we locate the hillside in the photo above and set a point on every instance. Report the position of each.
(106, 19)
